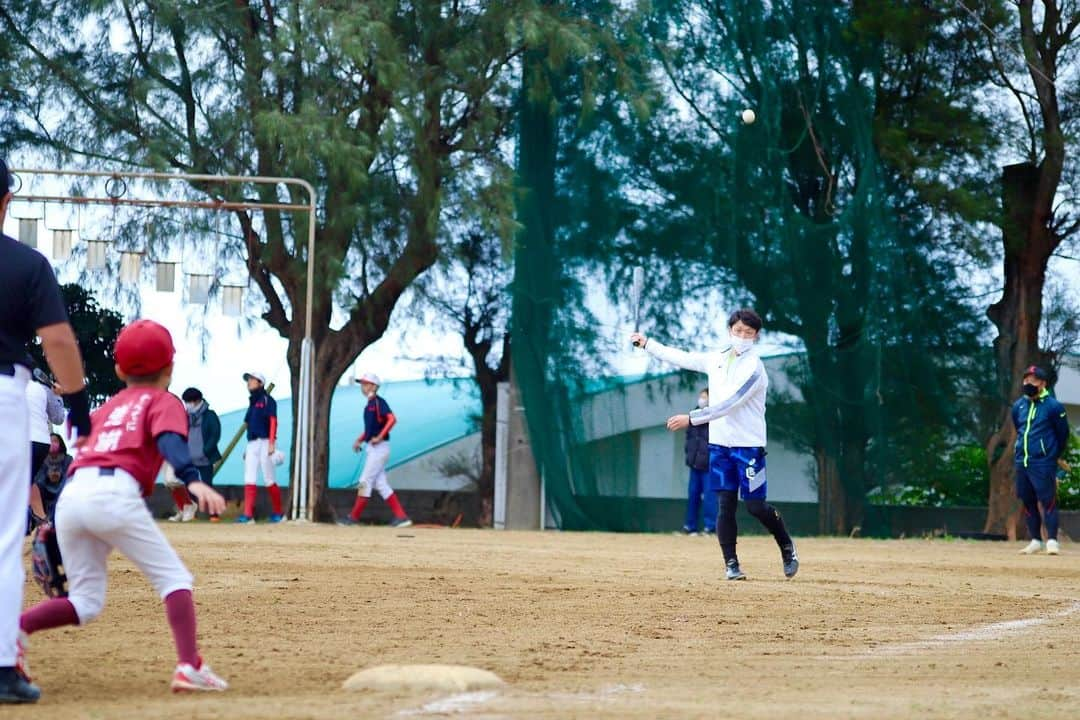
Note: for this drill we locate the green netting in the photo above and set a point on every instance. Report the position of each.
(830, 214)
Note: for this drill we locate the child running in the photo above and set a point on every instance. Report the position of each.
(102, 505)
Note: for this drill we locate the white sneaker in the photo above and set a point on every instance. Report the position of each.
(1032, 547)
(1052, 547)
(187, 678)
(188, 513)
(176, 518)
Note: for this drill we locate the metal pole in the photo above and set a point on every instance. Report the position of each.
(301, 460)
(308, 388)
(305, 414)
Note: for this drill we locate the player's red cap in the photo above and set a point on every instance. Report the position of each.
(143, 348)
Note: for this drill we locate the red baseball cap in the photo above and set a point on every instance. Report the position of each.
(143, 348)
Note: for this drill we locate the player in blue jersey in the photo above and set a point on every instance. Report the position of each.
(378, 420)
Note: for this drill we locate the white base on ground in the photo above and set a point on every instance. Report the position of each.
(454, 678)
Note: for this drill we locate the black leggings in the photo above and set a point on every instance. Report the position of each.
(727, 527)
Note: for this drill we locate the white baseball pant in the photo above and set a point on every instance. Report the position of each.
(257, 457)
(373, 476)
(14, 496)
(97, 513)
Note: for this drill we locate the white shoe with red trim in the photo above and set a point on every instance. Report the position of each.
(186, 678)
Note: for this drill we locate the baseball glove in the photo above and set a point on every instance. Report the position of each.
(47, 563)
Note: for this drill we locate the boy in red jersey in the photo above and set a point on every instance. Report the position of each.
(102, 504)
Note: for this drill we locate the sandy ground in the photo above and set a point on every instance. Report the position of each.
(582, 625)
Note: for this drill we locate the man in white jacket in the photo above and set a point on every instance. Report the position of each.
(736, 418)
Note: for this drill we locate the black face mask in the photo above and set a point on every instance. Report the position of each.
(1029, 389)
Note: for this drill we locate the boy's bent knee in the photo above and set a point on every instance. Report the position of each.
(87, 607)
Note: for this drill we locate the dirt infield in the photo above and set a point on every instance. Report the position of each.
(583, 625)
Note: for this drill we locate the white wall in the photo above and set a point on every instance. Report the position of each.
(661, 471)
(1067, 392)
(422, 474)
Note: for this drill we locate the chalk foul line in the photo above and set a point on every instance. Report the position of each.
(985, 633)
(470, 702)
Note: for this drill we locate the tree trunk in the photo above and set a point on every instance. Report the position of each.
(1017, 315)
(852, 472)
(488, 381)
(325, 384)
(831, 511)
(1002, 500)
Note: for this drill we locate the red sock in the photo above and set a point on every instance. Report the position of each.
(180, 497)
(56, 612)
(249, 500)
(275, 498)
(180, 611)
(358, 507)
(395, 506)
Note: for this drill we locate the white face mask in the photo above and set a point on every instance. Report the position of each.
(741, 345)
(192, 407)
(702, 401)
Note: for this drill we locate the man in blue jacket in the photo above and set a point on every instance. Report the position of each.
(700, 499)
(1042, 431)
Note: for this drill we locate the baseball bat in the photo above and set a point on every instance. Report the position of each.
(637, 284)
(236, 438)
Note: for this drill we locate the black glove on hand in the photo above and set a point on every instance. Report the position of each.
(78, 404)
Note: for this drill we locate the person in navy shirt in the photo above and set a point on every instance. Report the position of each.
(30, 305)
(1042, 431)
(261, 453)
(378, 420)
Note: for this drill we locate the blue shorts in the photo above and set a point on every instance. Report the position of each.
(737, 468)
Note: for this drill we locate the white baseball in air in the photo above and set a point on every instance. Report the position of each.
(748, 116)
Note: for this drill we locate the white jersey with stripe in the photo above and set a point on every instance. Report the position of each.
(737, 388)
(46, 409)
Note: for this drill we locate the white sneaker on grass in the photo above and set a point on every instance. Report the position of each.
(1032, 547)
(1052, 547)
(188, 513)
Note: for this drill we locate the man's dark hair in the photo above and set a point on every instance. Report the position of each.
(192, 395)
(747, 316)
(5, 178)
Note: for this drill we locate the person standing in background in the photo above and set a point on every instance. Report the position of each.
(1042, 432)
(700, 500)
(262, 426)
(204, 433)
(46, 409)
(52, 476)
